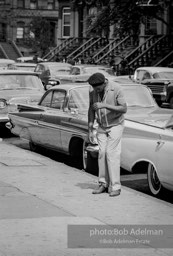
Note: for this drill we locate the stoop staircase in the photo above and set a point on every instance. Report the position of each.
(9, 50)
(87, 50)
(156, 51)
(65, 48)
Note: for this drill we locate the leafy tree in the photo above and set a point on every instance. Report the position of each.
(39, 35)
(125, 15)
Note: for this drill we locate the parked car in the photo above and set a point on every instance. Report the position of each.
(7, 64)
(159, 80)
(18, 87)
(25, 66)
(81, 73)
(49, 70)
(29, 59)
(59, 122)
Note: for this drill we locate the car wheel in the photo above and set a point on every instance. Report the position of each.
(153, 180)
(33, 147)
(171, 102)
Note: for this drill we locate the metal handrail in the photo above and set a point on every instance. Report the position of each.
(16, 48)
(170, 54)
(104, 48)
(59, 47)
(79, 54)
(113, 48)
(147, 50)
(3, 52)
(78, 49)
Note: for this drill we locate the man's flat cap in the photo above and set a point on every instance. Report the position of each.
(96, 79)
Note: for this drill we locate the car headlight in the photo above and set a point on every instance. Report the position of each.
(53, 82)
(3, 103)
(166, 84)
(12, 108)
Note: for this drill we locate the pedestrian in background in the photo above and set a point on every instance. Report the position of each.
(107, 105)
(35, 58)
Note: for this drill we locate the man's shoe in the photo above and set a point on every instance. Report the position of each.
(115, 192)
(100, 190)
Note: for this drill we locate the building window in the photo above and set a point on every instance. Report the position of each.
(66, 22)
(150, 26)
(20, 3)
(20, 33)
(51, 4)
(33, 4)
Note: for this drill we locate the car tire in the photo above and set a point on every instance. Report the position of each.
(154, 184)
(171, 102)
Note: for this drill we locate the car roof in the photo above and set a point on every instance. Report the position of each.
(52, 63)
(69, 85)
(6, 61)
(90, 65)
(156, 69)
(19, 72)
(26, 58)
(25, 64)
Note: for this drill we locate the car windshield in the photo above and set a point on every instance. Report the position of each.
(138, 96)
(135, 96)
(17, 82)
(60, 70)
(163, 75)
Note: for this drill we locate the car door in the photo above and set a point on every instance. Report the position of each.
(164, 157)
(50, 121)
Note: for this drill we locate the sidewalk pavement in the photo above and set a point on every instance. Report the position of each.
(40, 200)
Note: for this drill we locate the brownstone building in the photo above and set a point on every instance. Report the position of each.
(65, 20)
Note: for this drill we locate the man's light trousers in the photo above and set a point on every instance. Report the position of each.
(109, 141)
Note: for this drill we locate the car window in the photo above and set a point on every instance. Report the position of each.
(146, 75)
(75, 71)
(163, 75)
(58, 99)
(39, 68)
(79, 98)
(46, 101)
(59, 70)
(139, 75)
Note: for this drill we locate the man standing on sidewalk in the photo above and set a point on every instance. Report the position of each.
(107, 106)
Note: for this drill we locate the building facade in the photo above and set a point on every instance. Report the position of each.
(66, 21)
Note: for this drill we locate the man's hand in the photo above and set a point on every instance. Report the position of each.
(91, 136)
(98, 105)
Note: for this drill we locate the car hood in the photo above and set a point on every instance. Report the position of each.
(157, 117)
